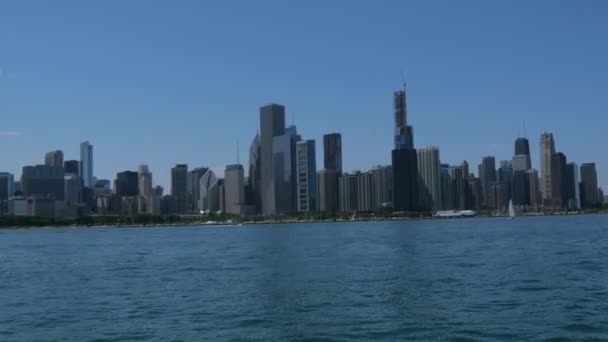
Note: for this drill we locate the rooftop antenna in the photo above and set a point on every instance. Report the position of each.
(403, 79)
(524, 128)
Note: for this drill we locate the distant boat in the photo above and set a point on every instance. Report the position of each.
(511, 210)
(354, 216)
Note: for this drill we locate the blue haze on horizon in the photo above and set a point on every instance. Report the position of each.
(160, 82)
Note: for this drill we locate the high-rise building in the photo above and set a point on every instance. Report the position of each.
(547, 149)
(520, 188)
(534, 186)
(332, 152)
(86, 164)
(404, 158)
(405, 179)
(328, 190)
(382, 186)
(559, 176)
(144, 181)
(272, 124)
(487, 175)
(347, 185)
(234, 188)
(505, 175)
(474, 194)
(7, 185)
(573, 186)
(521, 163)
(71, 167)
(254, 181)
(364, 192)
(209, 187)
(126, 184)
(500, 196)
(284, 162)
(589, 187)
(54, 158)
(194, 187)
(522, 147)
(306, 178)
(179, 187)
(404, 135)
(43, 180)
(429, 168)
(72, 189)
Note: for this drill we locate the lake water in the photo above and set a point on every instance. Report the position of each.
(537, 278)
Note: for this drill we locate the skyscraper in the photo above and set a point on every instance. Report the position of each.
(306, 178)
(589, 187)
(347, 185)
(254, 181)
(7, 183)
(272, 124)
(547, 149)
(179, 187)
(86, 164)
(328, 190)
(559, 188)
(382, 186)
(194, 187)
(522, 150)
(429, 168)
(209, 187)
(404, 158)
(534, 187)
(126, 184)
(332, 152)
(284, 173)
(234, 188)
(43, 180)
(72, 189)
(54, 158)
(144, 181)
(71, 167)
(487, 175)
(573, 186)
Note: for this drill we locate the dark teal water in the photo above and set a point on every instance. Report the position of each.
(462, 280)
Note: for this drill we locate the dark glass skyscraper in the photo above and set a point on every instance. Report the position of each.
(404, 158)
(332, 152)
(127, 183)
(522, 147)
(272, 124)
(71, 167)
(589, 187)
(179, 187)
(43, 180)
(487, 175)
(559, 181)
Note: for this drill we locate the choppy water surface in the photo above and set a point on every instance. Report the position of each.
(476, 279)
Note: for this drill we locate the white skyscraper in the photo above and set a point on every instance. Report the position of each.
(86, 164)
(234, 188)
(210, 196)
(145, 181)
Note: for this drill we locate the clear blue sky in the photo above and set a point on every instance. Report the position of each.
(166, 82)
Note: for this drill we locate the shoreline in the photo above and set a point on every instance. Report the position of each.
(239, 223)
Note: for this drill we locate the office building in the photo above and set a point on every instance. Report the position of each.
(405, 179)
(209, 187)
(126, 184)
(144, 181)
(347, 188)
(404, 158)
(254, 179)
(487, 176)
(272, 124)
(179, 187)
(234, 189)
(547, 149)
(520, 188)
(194, 187)
(573, 186)
(589, 186)
(41, 205)
(284, 162)
(559, 188)
(328, 190)
(500, 197)
(429, 169)
(43, 180)
(332, 152)
(54, 159)
(534, 187)
(306, 178)
(522, 149)
(7, 185)
(86, 164)
(72, 189)
(71, 167)
(521, 163)
(382, 186)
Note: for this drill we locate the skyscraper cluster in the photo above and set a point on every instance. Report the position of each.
(282, 177)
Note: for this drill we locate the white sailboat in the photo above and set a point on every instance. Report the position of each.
(511, 210)
(354, 216)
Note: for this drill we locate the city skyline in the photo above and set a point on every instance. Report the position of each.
(460, 80)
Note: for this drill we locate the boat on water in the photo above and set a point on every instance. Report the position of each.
(455, 213)
(511, 210)
(354, 216)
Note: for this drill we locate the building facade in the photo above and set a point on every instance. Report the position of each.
(547, 149)
(272, 124)
(429, 168)
(306, 181)
(234, 188)
(86, 164)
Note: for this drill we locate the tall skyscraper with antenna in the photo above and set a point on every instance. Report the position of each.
(404, 157)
